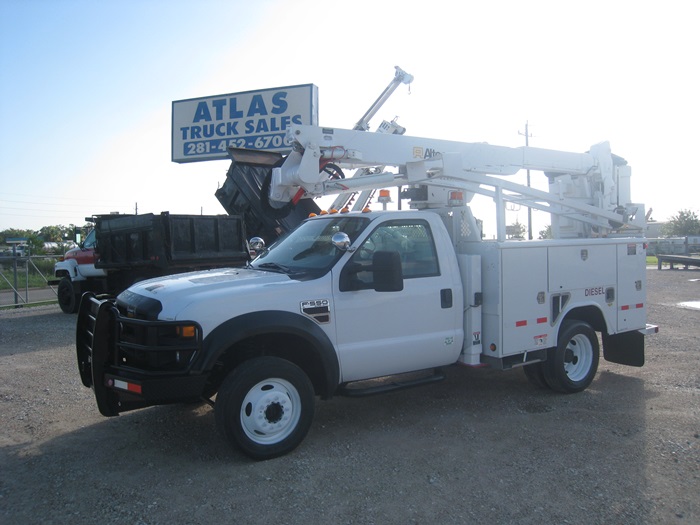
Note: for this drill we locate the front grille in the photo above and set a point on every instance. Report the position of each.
(155, 347)
(142, 346)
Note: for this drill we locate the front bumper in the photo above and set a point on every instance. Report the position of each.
(134, 363)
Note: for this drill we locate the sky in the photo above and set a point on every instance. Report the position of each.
(86, 88)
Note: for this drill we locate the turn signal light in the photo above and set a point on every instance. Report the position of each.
(186, 331)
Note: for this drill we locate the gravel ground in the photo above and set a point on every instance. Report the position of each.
(484, 446)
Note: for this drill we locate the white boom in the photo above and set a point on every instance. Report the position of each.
(400, 77)
(591, 188)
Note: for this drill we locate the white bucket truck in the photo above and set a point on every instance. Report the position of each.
(351, 296)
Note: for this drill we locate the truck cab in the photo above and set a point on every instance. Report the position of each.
(312, 300)
(73, 270)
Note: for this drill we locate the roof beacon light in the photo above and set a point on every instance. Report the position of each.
(384, 198)
(456, 198)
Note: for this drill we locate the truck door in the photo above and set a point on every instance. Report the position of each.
(86, 257)
(418, 327)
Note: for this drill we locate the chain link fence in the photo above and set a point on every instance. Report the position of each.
(24, 280)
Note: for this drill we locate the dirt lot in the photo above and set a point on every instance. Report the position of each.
(481, 447)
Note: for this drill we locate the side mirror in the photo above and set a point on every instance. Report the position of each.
(256, 245)
(341, 241)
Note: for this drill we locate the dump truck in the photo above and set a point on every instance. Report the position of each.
(123, 249)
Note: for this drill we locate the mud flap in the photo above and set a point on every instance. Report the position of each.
(626, 348)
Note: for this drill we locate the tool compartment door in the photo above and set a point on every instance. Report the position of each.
(589, 272)
(524, 303)
(631, 285)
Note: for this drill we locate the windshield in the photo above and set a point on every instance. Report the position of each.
(308, 250)
(89, 241)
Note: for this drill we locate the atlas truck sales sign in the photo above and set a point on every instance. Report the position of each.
(204, 128)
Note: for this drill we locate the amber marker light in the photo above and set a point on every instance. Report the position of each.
(186, 331)
(456, 198)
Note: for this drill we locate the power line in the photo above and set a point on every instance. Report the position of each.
(41, 213)
(53, 202)
(78, 209)
(58, 210)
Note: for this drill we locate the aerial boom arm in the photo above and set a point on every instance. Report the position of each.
(583, 186)
(401, 77)
(411, 155)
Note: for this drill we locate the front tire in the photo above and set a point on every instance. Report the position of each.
(265, 407)
(68, 298)
(572, 365)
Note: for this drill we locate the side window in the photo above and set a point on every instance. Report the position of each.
(413, 241)
(90, 240)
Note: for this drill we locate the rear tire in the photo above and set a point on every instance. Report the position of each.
(265, 407)
(572, 365)
(68, 298)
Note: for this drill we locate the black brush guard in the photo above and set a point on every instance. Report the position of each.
(114, 351)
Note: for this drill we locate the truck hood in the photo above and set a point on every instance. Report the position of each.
(174, 293)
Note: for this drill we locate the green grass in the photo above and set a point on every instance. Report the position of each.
(30, 277)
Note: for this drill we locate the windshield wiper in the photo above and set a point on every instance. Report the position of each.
(275, 267)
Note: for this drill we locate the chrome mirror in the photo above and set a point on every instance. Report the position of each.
(341, 241)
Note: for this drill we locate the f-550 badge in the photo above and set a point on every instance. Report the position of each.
(318, 309)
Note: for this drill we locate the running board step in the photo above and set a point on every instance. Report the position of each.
(382, 385)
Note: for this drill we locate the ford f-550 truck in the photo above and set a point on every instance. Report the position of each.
(349, 297)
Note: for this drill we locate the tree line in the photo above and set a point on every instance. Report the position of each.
(36, 239)
(682, 224)
(685, 222)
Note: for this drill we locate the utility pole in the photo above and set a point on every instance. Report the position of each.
(529, 210)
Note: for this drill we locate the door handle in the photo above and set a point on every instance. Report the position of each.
(446, 298)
